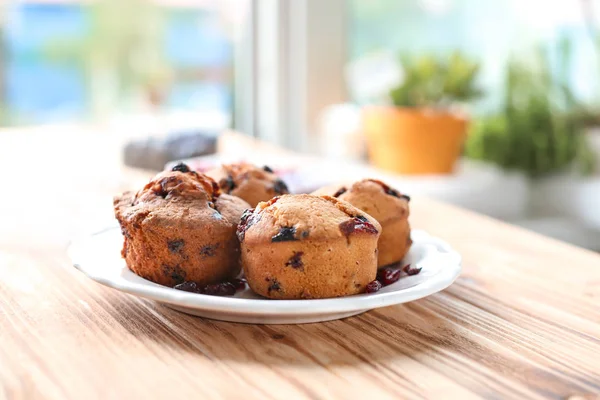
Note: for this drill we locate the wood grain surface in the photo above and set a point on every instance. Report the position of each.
(523, 321)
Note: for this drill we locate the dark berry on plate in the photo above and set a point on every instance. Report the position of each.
(239, 284)
(340, 192)
(286, 234)
(219, 289)
(387, 276)
(176, 245)
(358, 224)
(411, 270)
(266, 168)
(189, 286)
(280, 187)
(209, 250)
(373, 286)
(181, 167)
(295, 261)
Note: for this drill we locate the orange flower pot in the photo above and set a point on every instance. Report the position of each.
(414, 140)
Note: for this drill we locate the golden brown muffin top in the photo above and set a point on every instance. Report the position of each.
(180, 183)
(181, 195)
(249, 182)
(304, 217)
(373, 197)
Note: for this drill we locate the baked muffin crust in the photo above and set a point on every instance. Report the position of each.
(305, 246)
(248, 182)
(388, 206)
(180, 227)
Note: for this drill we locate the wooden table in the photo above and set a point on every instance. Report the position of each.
(522, 321)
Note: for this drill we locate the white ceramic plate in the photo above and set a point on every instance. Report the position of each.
(98, 256)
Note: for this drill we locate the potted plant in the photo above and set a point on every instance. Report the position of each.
(539, 129)
(423, 132)
(539, 132)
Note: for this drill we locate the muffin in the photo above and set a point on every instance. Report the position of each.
(180, 227)
(304, 246)
(388, 206)
(248, 182)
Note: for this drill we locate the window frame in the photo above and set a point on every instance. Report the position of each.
(289, 67)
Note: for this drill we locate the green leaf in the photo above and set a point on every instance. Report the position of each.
(539, 129)
(433, 81)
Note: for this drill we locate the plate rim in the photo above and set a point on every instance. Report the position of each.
(153, 291)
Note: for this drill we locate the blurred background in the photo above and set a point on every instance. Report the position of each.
(491, 105)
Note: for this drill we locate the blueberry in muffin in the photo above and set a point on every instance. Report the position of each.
(248, 182)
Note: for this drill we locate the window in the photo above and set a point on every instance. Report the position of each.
(78, 60)
(489, 31)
